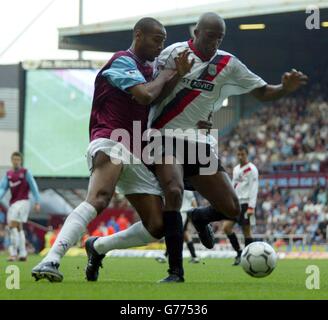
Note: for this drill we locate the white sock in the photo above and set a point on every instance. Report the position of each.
(72, 231)
(11, 251)
(14, 241)
(22, 244)
(135, 236)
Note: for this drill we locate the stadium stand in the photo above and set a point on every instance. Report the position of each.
(293, 130)
(288, 136)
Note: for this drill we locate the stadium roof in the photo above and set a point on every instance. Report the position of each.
(105, 36)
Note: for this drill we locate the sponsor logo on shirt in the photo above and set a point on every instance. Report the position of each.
(211, 70)
(14, 184)
(203, 85)
(132, 72)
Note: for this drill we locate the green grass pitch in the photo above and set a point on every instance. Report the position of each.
(135, 278)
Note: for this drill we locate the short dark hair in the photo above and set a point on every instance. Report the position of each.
(146, 24)
(243, 147)
(17, 154)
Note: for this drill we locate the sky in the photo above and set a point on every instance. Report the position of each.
(40, 40)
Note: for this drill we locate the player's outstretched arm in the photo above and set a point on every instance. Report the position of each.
(4, 186)
(291, 81)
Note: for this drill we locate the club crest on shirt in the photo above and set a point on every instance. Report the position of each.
(211, 69)
(132, 72)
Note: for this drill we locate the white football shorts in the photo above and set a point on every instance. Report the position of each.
(135, 178)
(19, 211)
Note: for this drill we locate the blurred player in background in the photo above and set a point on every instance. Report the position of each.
(20, 181)
(189, 202)
(245, 181)
(124, 89)
(215, 76)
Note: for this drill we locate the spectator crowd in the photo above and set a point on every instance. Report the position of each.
(291, 129)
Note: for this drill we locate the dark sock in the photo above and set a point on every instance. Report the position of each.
(173, 230)
(248, 241)
(208, 214)
(191, 248)
(234, 242)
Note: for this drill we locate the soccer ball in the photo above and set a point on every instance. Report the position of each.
(258, 259)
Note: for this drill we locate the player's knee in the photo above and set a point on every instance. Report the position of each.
(230, 208)
(233, 209)
(157, 231)
(155, 227)
(173, 197)
(236, 209)
(100, 201)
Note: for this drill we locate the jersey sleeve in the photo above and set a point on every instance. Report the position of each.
(253, 187)
(124, 73)
(4, 186)
(244, 79)
(166, 59)
(33, 186)
(240, 80)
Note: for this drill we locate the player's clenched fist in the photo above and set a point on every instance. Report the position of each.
(293, 80)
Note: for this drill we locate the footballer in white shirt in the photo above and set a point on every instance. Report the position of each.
(245, 180)
(214, 76)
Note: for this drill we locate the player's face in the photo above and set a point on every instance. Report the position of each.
(153, 43)
(242, 156)
(209, 40)
(16, 162)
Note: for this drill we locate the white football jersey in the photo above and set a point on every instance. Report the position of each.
(201, 91)
(245, 181)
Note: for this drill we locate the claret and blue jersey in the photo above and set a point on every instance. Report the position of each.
(113, 106)
(20, 182)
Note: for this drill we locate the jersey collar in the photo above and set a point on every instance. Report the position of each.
(197, 52)
(246, 164)
(135, 57)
